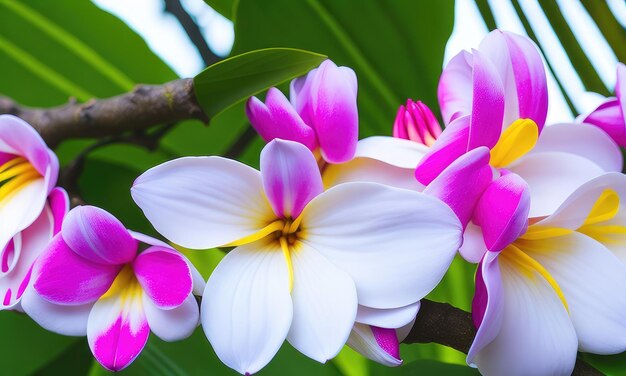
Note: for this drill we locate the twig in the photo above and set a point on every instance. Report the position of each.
(449, 326)
(142, 108)
(193, 31)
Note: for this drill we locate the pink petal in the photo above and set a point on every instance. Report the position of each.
(291, 177)
(487, 103)
(164, 276)
(98, 236)
(59, 204)
(331, 110)
(387, 339)
(276, 118)
(502, 211)
(64, 277)
(449, 146)
(620, 88)
(608, 117)
(117, 331)
(461, 184)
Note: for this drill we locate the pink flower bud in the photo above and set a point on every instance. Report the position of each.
(416, 122)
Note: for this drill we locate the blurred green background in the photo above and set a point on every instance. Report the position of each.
(51, 51)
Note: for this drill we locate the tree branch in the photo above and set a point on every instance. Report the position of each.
(142, 108)
(449, 326)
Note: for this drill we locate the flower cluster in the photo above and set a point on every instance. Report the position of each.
(335, 240)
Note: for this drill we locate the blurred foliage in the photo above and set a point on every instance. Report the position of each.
(53, 51)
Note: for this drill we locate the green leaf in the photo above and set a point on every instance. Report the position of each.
(425, 367)
(223, 7)
(233, 80)
(611, 365)
(395, 46)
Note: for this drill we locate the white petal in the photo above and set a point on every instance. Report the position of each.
(552, 177)
(62, 319)
(371, 170)
(363, 341)
(473, 247)
(390, 150)
(593, 282)
(536, 336)
(21, 209)
(395, 243)
(246, 307)
(387, 318)
(324, 305)
(584, 140)
(172, 324)
(203, 202)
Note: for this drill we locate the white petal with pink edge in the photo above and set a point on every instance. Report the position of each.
(203, 202)
(246, 308)
(324, 305)
(395, 243)
(379, 345)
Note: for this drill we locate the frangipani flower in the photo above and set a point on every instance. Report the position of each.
(91, 280)
(416, 122)
(496, 97)
(322, 114)
(31, 208)
(305, 259)
(610, 116)
(553, 287)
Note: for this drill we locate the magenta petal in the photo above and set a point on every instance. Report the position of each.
(530, 78)
(608, 117)
(64, 277)
(502, 211)
(387, 339)
(98, 236)
(164, 275)
(487, 103)
(276, 118)
(449, 146)
(59, 204)
(461, 184)
(487, 305)
(291, 177)
(333, 111)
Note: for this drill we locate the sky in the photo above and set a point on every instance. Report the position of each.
(167, 39)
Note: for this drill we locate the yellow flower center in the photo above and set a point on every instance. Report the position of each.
(515, 141)
(125, 286)
(15, 175)
(285, 232)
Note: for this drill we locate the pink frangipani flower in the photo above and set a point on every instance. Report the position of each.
(92, 280)
(322, 113)
(308, 262)
(31, 207)
(416, 122)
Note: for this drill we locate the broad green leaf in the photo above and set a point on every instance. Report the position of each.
(611, 365)
(395, 46)
(233, 80)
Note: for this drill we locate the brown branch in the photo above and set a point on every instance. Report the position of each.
(142, 108)
(449, 326)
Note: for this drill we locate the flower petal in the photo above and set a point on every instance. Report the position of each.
(246, 307)
(502, 211)
(203, 202)
(583, 140)
(393, 151)
(536, 336)
(377, 344)
(276, 118)
(28, 245)
(98, 236)
(473, 248)
(63, 277)
(164, 276)
(324, 305)
(593, 281)
(609, 118)
(462, 183)
(455, 87)
(173, 324)
(61, 319)
(291, 177)
(552, 177)
(59, 203)
(395, 243)
(332, 111)
(387, 318)
(117, 330)
(449, 147)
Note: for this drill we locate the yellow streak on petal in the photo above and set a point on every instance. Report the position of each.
(605, 208)
(277, 225)
(124, 284)
(597, 225)
(518, 139)
(286, 252)
(542, 232)
(528, 266)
